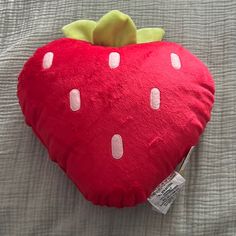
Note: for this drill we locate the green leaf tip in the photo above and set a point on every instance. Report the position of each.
(149, 35)
(114, 29)
(80, 29)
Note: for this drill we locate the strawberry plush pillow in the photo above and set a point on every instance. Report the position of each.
(116, 108)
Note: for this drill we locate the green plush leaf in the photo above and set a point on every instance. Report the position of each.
(81, 29)
(114, 29)
(150, 35)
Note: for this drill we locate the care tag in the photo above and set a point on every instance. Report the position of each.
(186, 160)
(165, 193)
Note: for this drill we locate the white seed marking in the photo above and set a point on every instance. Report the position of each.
(75, 101)
(155, 98)
(117, 146)
(175, 61)
(47, 60)
(114, 60)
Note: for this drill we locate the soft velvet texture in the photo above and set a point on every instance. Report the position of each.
(116, 101)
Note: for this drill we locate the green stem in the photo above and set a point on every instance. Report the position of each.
(114, 29)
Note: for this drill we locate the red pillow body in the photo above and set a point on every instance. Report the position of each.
(117, 120)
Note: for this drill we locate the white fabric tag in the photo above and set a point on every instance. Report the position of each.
(186, 160)
(165, 193)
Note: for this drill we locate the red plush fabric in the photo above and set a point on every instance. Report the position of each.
(116, 101)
